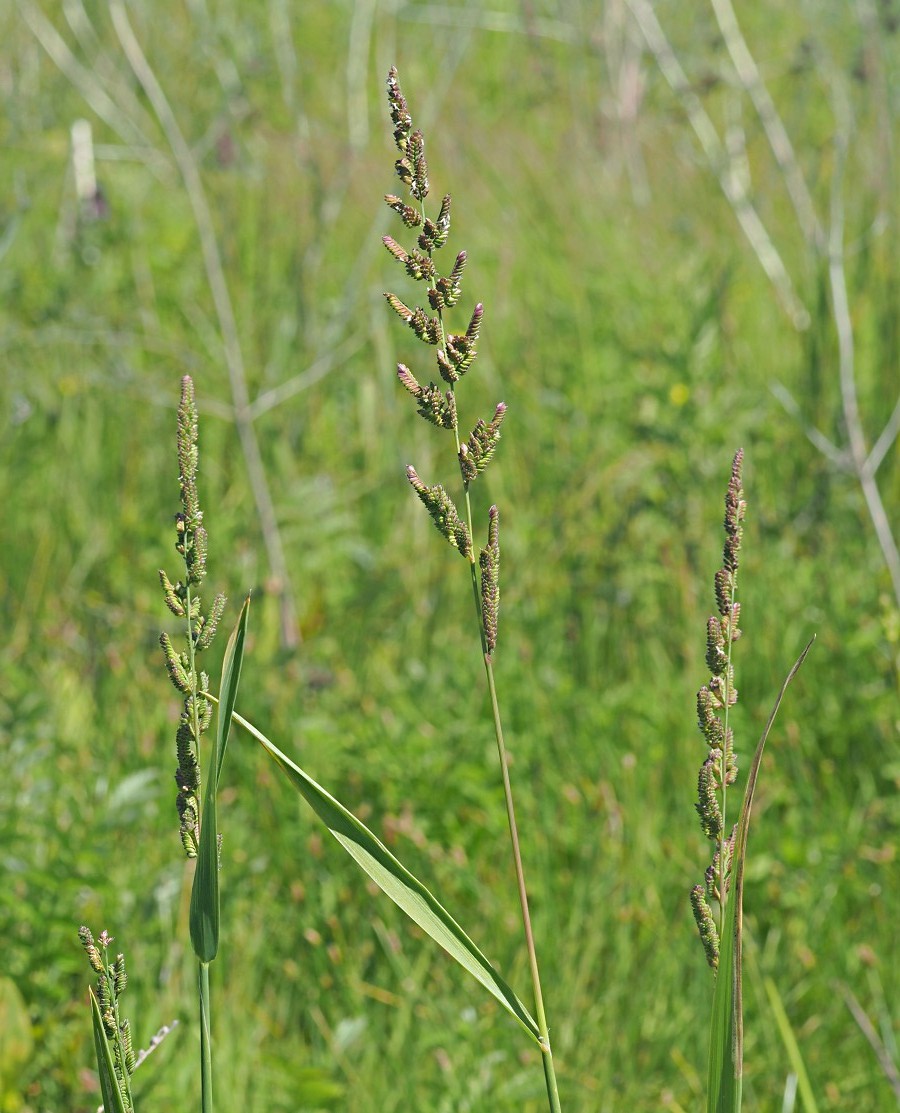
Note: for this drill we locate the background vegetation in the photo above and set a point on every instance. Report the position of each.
(637, 343)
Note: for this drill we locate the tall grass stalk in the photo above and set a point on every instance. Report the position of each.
(198, 827)
(455, 354)
(722, 936)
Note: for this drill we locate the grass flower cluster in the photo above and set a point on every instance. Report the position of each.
(716, 903)
(454, 355)
(714, 702)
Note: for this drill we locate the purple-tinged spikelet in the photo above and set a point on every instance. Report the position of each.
(443, 513)
(411, 217)
(478, 451)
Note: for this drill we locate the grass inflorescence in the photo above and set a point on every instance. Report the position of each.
(454, 355)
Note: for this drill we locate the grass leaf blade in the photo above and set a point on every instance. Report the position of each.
(726, 1043)
(204, 917)
(392, 877)
(113, 1102)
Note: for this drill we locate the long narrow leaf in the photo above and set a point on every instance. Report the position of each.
(204, 918)
(397, 882)
(726, 1042)
(113, 1102)
(792, 1047)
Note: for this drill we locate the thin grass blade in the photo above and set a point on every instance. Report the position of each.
(792, 1047)
(113, 1102)
(204, 918)
(726, 1041)
(392, 877)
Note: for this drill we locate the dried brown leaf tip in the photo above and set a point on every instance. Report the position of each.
(714, 700)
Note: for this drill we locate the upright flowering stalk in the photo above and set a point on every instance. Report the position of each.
(714, 701)
(109, 987)
(454, 354)
(183, 601)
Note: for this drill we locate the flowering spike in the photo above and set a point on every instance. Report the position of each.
(403, 311)
(708, 805)
(207, 627)
(173, 594)
(477, 452)
(175, 667)
(90, 947)
(714, 700)
(419, 186)
(489, 562)
(400, 116)
(411, 217)
(716, 657)
(395, 249)
(706, 926)
(443, 513)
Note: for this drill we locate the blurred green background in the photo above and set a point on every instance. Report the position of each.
(637, 342)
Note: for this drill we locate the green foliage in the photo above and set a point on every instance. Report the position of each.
(392, 877)
(636, 342)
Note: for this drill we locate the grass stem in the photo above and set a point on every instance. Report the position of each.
(206, 1088)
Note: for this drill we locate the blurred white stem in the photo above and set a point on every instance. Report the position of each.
(859, 455)
(747, 216)
(215, 273)
(776, 133)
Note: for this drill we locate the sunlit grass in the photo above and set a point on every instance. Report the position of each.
(599, 310)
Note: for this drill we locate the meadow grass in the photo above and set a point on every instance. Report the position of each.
(638, 346)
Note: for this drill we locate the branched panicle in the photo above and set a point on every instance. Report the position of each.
(456, 352)
(478, 451)
(111, 983)
(443, 513)
(489, 563)
(182, 599)
(714, 700)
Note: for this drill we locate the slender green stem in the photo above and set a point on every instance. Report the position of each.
(547, 1054)
(206, 1091)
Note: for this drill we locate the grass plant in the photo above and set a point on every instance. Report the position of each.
(722, 937)
(636, 341)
